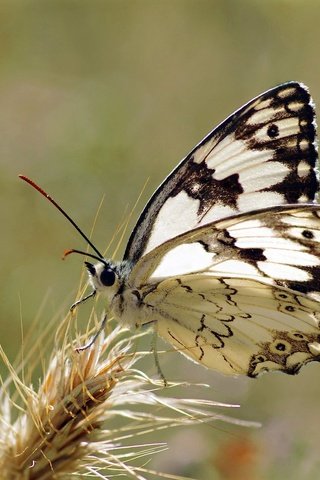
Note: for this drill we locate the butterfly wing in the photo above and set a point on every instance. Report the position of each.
(240, 295)
(237, 326)
(262, 155)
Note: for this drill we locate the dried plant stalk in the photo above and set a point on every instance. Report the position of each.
(57, 432)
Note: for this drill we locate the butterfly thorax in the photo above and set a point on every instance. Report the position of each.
(124, 301)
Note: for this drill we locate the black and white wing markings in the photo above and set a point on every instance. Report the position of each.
(263, 155)
(237, 326)
(279, 246)
(282, 248)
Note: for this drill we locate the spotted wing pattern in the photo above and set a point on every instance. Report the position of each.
(263, 155)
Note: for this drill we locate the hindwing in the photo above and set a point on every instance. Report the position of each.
(237, 326)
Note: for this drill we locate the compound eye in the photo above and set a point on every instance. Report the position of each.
(107, 277)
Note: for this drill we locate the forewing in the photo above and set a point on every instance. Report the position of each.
(262, 155)
(279, 246)
(236, 326)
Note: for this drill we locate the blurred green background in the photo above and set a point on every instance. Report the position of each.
(96, 97)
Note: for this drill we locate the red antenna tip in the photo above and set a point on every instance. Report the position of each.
(34, 185)
(66, 253)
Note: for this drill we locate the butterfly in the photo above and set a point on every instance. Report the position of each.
(224, 261)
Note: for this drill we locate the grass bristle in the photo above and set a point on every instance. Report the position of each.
(88, 414)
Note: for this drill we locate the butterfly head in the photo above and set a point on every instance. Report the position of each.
(103, 277)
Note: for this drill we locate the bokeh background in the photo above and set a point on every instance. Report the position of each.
(96, 98)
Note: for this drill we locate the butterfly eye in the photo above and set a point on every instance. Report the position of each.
(107, 277)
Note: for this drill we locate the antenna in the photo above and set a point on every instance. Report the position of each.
(51, 200)
(86, 254)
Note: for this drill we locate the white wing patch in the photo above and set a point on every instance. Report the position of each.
(167, 217)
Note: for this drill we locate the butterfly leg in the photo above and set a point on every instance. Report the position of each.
(95, 336)
(82, 300)
(156, 358)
